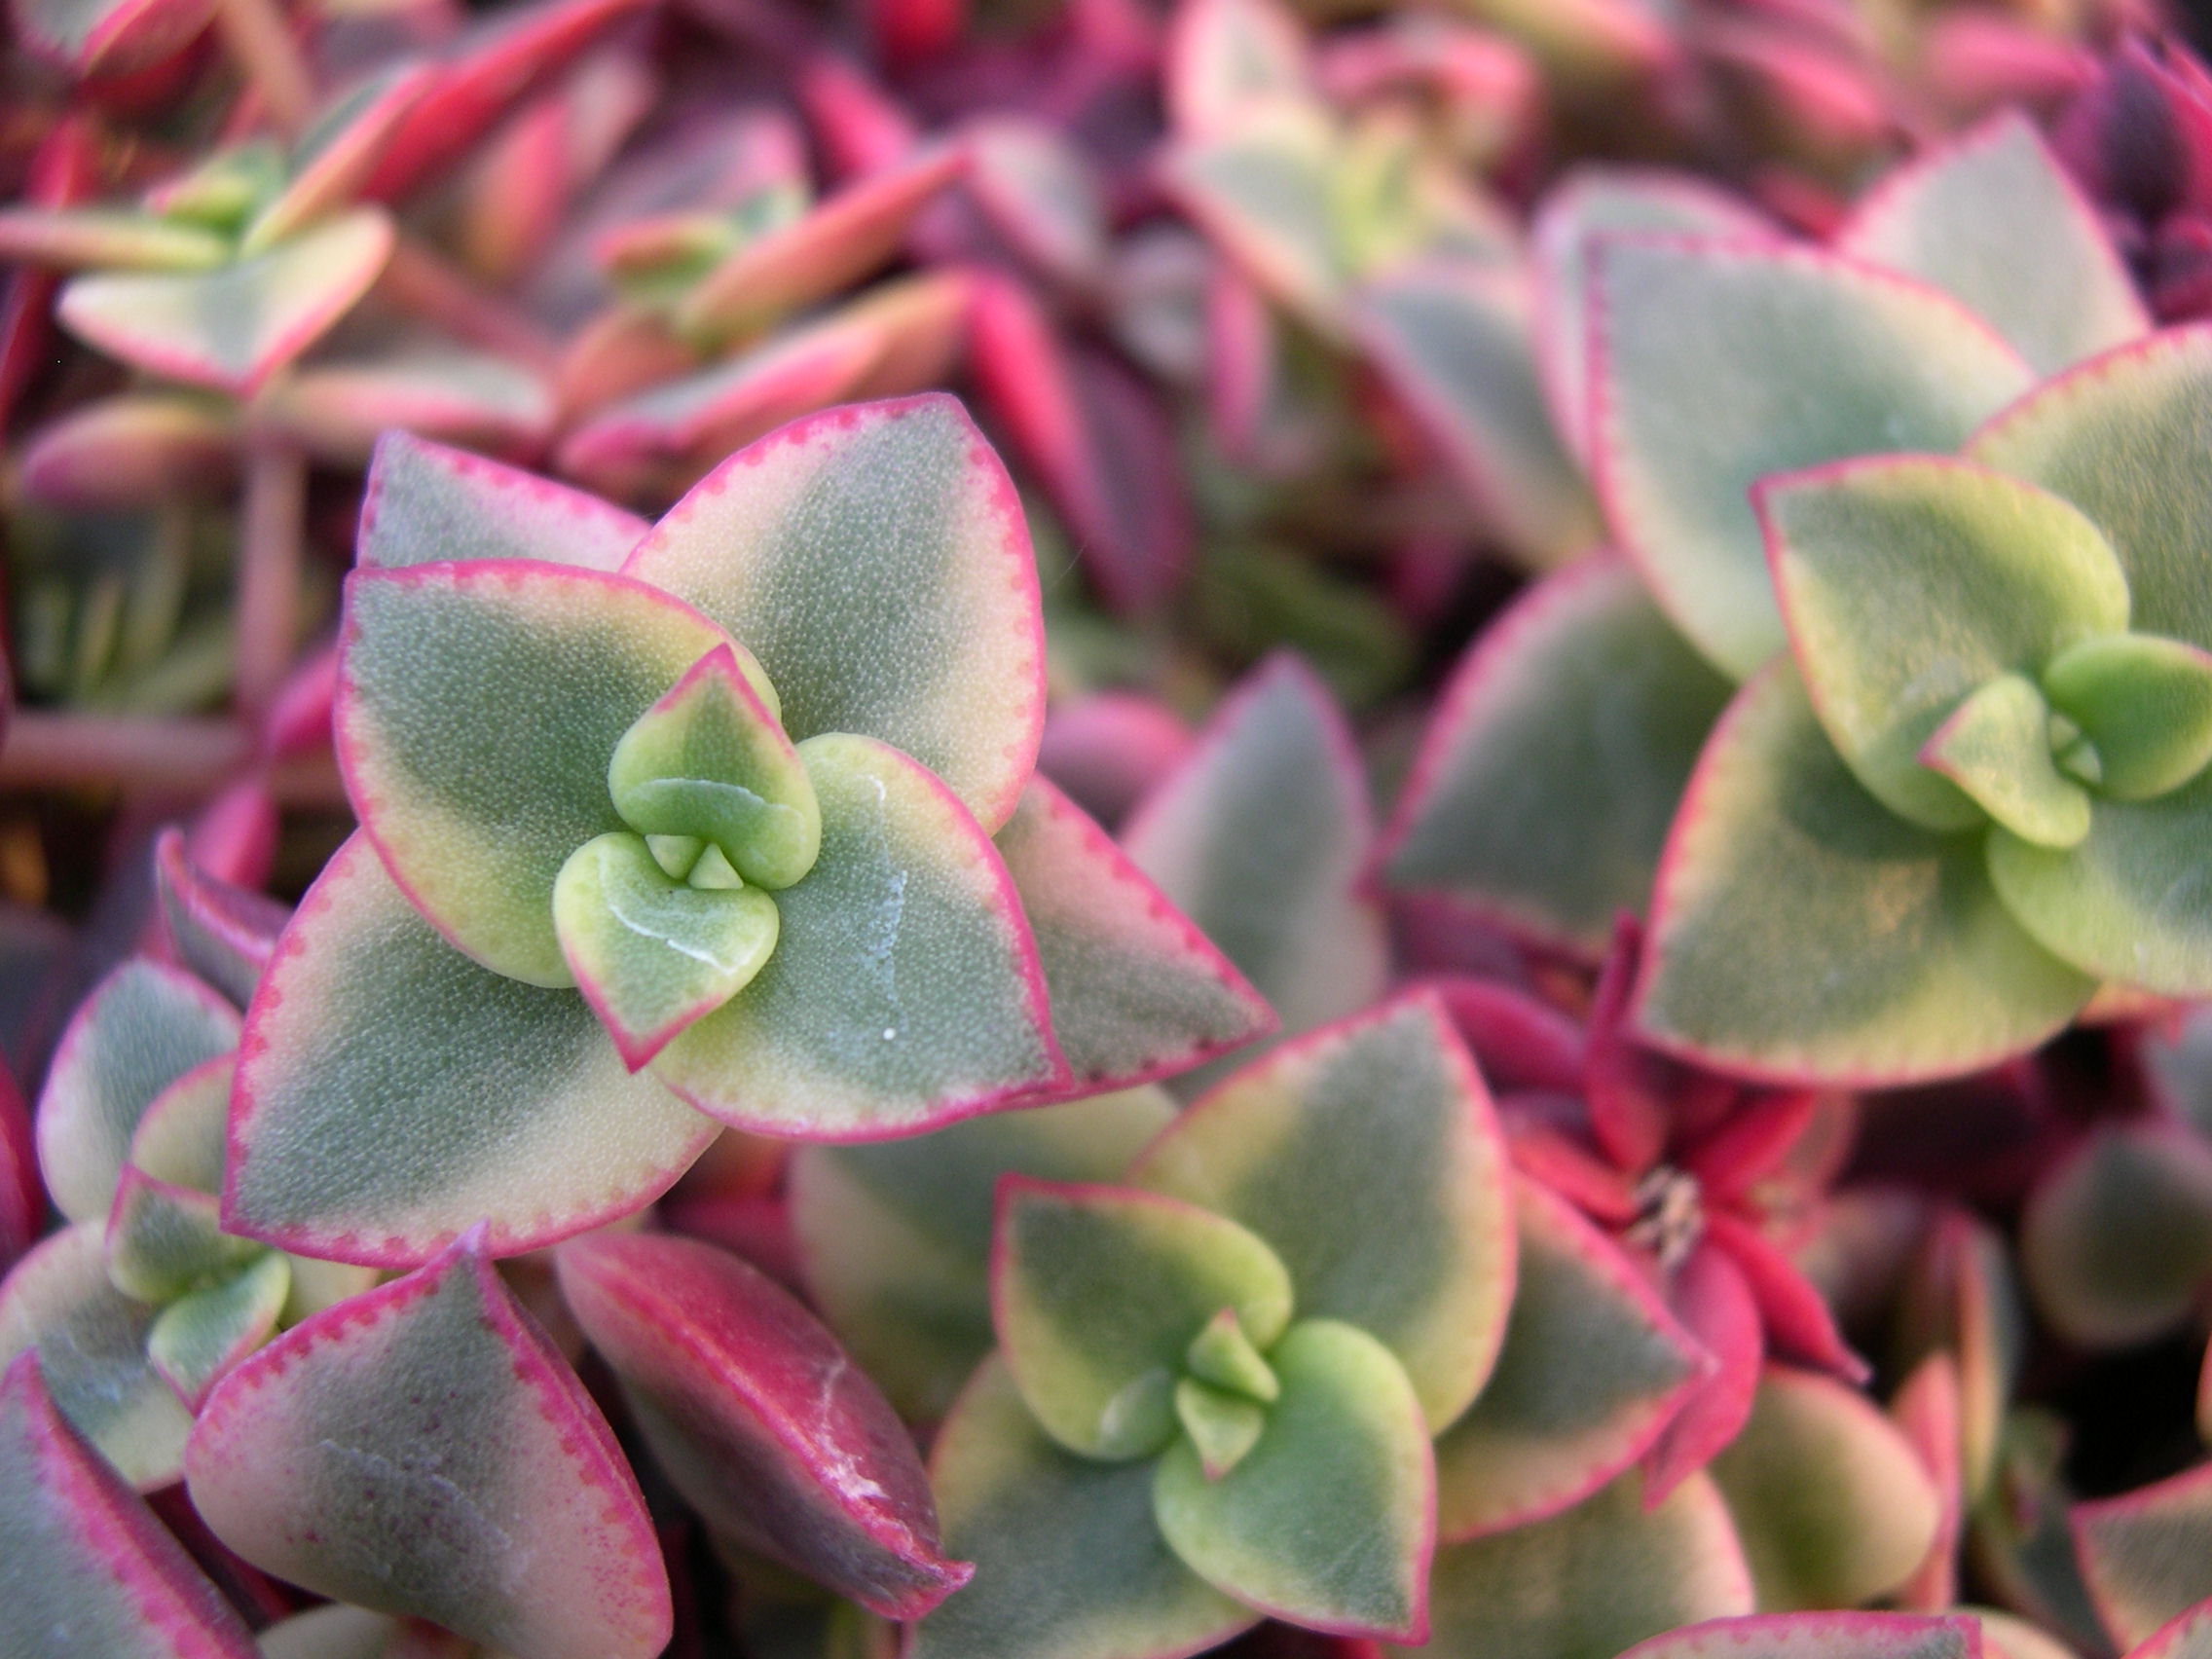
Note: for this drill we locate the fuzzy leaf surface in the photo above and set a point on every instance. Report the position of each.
(760, 1420)
(2146, 705)
(1820, 1636)
(144, 1027)
(1068, 1557)
(1556, 757)
(201, 1335)
(1347, 1433)
(1992, 219)
(1910, 582)
(895, 1237)
(222, 932)
(1995, 747)
(1802, 931)
(85, 1565)
(1097, 1294)
(876, 560)
(478, 707)
(425, 1449)
(905, 990)
(1717, 364)
(391, 1093)
(1592, 1581)
(1384, 1114)
(2142, 1552)
(428, 503)
(1592, 1368)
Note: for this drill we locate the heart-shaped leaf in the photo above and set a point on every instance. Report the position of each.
(2144, 703)
(1763, 955)
(163, 1241)
(1138, 992)
(1097, 1294)
(221, 933)
(1992, 219)
(1995, 745)
(1592, 1368)
(874, 559)
(200, 1336)
(428, 503)
(1584, 1584)
(829, 248)
(2122, 903)
(894, 1238)
(1453, 341)
(1717, 363)
(1384, 1114)
(1592, 203)
(2121, 438)
(425, 1449)
(180, 1139)
(2117, 1240)
(1067, 1553)
(2145, 1552)
(391, 1093)
(1347, 1434)
(1910, 582)
(1820, 1636)
(1833, 1505)
(91, 1341)
(478, 707)
(144, 1027)
(1552, 767)
(708, 761)
(654, 955)
(85, 1565)
(761, 1419)
(234, 327)
(1261, 836)
(905, 990)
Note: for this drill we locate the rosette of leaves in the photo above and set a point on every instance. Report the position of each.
(140, 1304)
(671, 827)
(1216, 1384)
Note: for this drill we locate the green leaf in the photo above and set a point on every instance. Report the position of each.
(1593, 202)
(199, 1337)
(1223, 1356)
(1380, 1115)
(478, 707)
(2123, 440)
(876, 560)
(1097, 1294)
(652, 955)
(1220, 1427)
(106, 238)
(91, 1341)
(1590, 1582)
(428, 503)
(1262, 837)
(1833, 1506)
(391, 1093)
(1819, 1636)
(905, 989)
(2145, 706)
(710, 760)
(1068, 1557)
(165, 1241)
(1909, 583)
(1717, 364)
(1453, 341)
(1138, 990)
(144, 1027)
(1995, 745)
(2145, 1552)
(2116, 1240)
(1553, 765)
(1992, 219)
(425, 1451)
(234, 327)
(180, 1137)
(1258, 184)
(1347, 1438)
(85, 1567)
(1594, 1367)
(894, 1239)
(2132, 901)
(335, 155)
(1802, 931)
